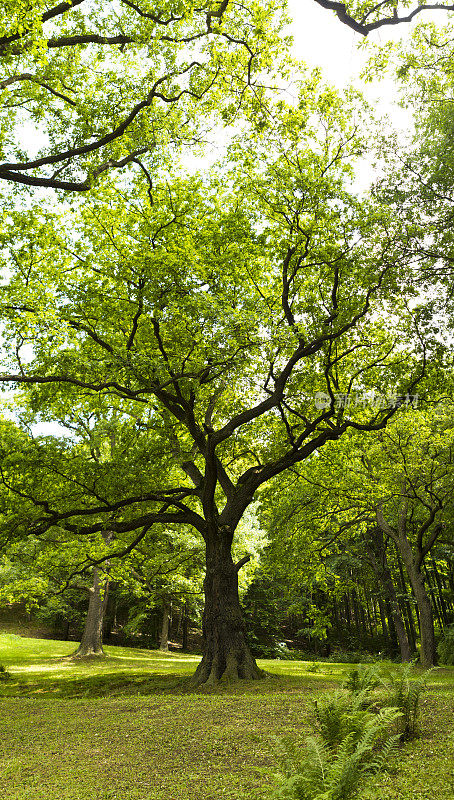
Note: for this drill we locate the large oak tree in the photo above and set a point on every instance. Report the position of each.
(218, 308)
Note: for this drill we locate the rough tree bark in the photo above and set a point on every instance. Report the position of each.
(91, 642)
(226, 654)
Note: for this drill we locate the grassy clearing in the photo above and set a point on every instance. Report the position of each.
(126, 728)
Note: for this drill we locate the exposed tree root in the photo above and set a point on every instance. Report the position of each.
(79, 655)
(217, 670)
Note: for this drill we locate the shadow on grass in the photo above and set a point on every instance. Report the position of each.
(96, 685)
(120, 683)
(44, 668)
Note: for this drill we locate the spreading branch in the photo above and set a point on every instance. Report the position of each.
(364, 28)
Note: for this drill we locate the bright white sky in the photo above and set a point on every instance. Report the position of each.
(322, 40)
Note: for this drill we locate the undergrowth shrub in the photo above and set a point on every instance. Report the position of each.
(357, 731)
(4, 674)
(400, 688)
(445, 647)
(361, 679)
(339, 716)
(351, 657)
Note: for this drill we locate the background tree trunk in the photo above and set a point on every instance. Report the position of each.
(164, 640)
(441, 592)
(406, 605)
(185, 624)
(384, 624)
(91, 642)
(226, 653)
(376, 550)
(426, 623)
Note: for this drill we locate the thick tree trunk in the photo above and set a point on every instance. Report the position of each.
(164, 640)
(226, 654)
(91, 642)
(426, 623)
(399, 625)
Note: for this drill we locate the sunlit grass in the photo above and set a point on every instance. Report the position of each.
(47, 663)
(44, 665)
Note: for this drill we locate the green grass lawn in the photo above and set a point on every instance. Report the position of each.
(127, 728)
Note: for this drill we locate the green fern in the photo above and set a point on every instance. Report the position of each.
(339, 715)
(353, 744)
(404, 693)
(362, 678)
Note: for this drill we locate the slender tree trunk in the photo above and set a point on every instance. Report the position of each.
(375, 616)
(185, 625)
(91, 642)
(413, 564)
(356, 615)
(366, 612)
(226, 653)
(114, 620)
(392, 627)
(434, 599)
(384, 623)
(376, 551)
(164, 640)
(180, 621)
(450, 577)
(441, 592)
(335, 615)
(348, 618)
(426, 623)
